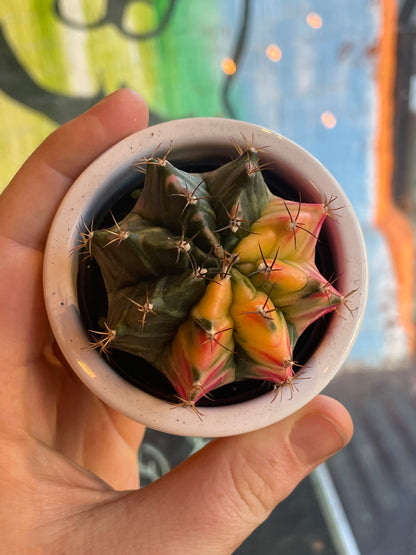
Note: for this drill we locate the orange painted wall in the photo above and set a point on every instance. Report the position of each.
(389, 219)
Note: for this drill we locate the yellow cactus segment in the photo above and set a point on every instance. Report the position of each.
(287, 227)
(243, 291)
(287, 277)
(262, 237)
(216, 300)
(260, 329)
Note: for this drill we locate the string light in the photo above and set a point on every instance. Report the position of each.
(314, 20)
(273, 52)
(228, 66)
(328, 119)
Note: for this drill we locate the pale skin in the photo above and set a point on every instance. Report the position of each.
(68, 463)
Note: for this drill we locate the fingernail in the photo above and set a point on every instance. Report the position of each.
(315, 438)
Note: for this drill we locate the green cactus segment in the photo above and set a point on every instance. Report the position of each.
(145, 317)
(134, 250)
(211, 278)
(239, 195)
(179, 201)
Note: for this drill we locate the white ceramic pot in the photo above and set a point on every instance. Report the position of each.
(201, 141)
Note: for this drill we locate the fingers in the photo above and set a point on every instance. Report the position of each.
(214, 500)
(28, 204)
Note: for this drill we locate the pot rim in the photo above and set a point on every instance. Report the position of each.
(96, 185)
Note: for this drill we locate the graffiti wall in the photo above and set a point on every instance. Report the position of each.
(307, 69)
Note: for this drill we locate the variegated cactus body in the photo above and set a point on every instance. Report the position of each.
(211, 278)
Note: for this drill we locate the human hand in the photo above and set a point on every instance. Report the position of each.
(68, 462)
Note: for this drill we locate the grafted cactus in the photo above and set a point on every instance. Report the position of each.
(211, 278)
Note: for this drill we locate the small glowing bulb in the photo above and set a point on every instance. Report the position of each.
(228, 66)
(314, 20)
(273, 52)
(328, 120)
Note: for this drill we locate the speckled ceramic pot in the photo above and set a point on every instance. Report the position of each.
(200, 144)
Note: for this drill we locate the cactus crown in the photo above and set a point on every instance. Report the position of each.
(210, 277)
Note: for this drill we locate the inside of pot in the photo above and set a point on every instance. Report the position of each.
(93, 300)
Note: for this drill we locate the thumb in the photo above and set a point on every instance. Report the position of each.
(214, 500)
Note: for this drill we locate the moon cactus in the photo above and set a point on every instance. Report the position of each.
(210, 277)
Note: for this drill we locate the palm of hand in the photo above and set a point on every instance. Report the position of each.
(51, 406)
(55, 436)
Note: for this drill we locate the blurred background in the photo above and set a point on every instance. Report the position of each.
(339, 78)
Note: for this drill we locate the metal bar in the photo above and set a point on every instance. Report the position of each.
(333, 512)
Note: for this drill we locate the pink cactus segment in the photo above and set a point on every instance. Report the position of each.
(177, 369)
(287, 227)
(289, 282)
(299, 225)
(269, 373)
(201, 357)
(198, 365)
(301, 305)
(312, 307)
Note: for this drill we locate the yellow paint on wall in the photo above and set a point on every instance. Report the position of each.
(36, 39)
(81, 62)
(67, 61)
(27, 129)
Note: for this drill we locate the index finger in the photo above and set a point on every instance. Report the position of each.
(28, 204)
